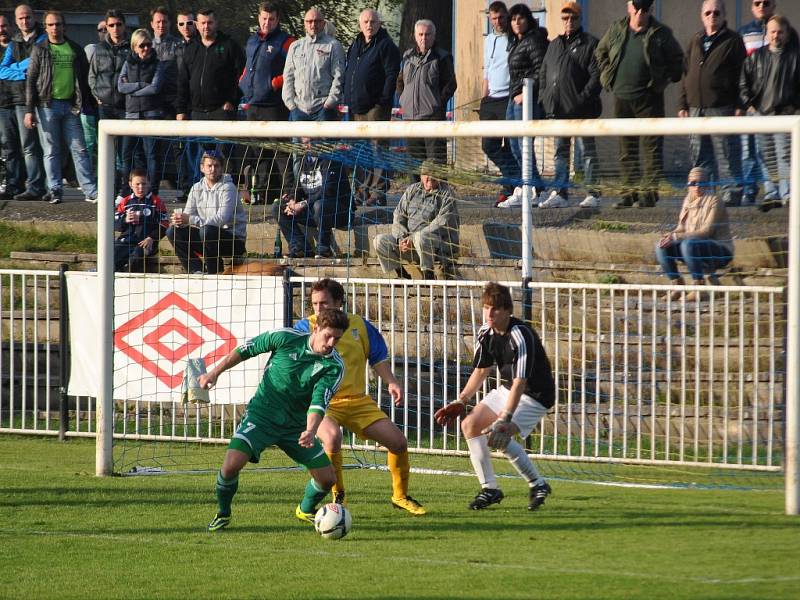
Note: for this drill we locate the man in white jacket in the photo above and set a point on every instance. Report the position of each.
(313, 74)
(213, 224)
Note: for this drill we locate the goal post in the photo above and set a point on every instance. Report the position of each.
(600, 128)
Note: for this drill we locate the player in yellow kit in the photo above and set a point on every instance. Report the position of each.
(352, 407)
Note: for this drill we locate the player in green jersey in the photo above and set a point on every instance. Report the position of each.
(301, 376)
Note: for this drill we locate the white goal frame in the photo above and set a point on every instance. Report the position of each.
(107, 129)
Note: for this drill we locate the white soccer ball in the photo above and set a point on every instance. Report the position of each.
(333, 521)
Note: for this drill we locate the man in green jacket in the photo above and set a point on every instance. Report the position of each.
(638, 58)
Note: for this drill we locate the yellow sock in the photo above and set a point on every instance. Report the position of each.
(336, 461)
(400, 469)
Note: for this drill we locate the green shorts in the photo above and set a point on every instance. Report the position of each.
(252, 437)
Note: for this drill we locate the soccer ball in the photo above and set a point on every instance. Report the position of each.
(333, 521)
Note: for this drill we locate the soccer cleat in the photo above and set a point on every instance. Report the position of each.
(538, 494)
(409, 504)
(486, 497)
(339, 498)
(304, 516)
(219, 522)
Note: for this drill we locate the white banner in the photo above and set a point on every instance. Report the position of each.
(160, 321)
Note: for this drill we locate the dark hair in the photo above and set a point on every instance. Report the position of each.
(184, 10)
(524, 11)
(333, 287)
(114, 13)
(138, 173)
(206, 12)
(269, 7)
(497, 296)
(159, 10)
(642, 4)
(212, 155)
(498, 6)
(333, 318)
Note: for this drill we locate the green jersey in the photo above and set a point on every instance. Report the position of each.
(297, 381)
(63, 71)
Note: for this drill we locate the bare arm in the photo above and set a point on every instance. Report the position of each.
(306, 439)
(208, 380)
(473, 384)
(384, 371)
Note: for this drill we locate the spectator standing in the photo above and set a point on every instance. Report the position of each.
(321, 200)
(770, 85)
(166, 46)
(55, 90)
(9, 139)
(569, 88)
(142, 81)
(494, 97)
(754, 36)
(638, 58)
(213, 224)
(710, 88)
(426, 83)
(526, 50)
(141, 220)
(702, 237)
(188, 152)
(104, 70)
(373, 63)
(89, 111)
(262, 84)
(313, 76)
(14, 72)
(425, 228)
(208, 74)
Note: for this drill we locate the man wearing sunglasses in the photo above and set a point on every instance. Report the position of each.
(710, 88)
(104, 70)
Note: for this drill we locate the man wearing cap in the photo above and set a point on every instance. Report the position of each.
(569, 88)
(213, 224)
(638, 58)
(710, 88)
(425, 227)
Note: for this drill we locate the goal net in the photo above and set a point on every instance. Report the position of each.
(656, 383)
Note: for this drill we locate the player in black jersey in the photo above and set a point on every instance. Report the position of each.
(516, 406)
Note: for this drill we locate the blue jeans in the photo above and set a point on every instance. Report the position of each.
(58, 124)
(32, 153)
(701, 257)
(323, 114)
(11, 150)
(514, 113)
(324, 214)
(585, 162)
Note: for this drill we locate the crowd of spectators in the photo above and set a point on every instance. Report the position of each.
(51, 87)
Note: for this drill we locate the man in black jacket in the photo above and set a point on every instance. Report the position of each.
(710, 88)
(569, 88)
(14, 72)
(370, 76)
(208, 75)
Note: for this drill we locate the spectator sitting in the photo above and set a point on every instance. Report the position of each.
(213, 224)
(702, 237)
(141, 80)
(426, 223)
(321, 200)
(141, 218)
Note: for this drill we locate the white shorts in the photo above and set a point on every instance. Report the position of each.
(528, 414)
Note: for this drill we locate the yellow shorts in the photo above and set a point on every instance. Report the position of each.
(355, 412)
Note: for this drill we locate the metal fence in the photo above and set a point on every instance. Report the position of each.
(641, 378)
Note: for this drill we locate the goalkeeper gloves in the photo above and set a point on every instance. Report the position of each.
(447, 415)
(499, 432)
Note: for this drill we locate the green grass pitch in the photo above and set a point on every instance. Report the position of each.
(67, 534)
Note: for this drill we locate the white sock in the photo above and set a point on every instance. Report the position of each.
(518, 458)
(481, 458)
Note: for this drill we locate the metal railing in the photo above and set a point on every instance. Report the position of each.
(641, 378)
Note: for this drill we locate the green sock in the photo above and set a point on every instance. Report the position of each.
(313, 495)
(226, 488)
